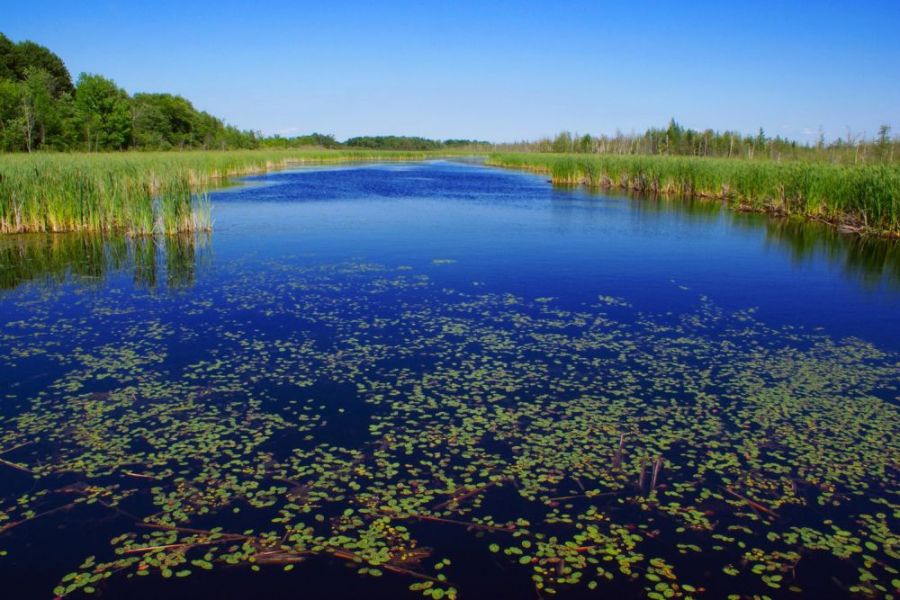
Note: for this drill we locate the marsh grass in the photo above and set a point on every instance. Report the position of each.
(858, 198)
(136, 193)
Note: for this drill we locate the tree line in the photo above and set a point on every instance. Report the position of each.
(376, 142)
(42, 109)
(678, 140)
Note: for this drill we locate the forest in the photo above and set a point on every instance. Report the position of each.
(41, 108)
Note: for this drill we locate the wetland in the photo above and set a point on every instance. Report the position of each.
(441, 379)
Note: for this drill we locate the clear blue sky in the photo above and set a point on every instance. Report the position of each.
(500, 71)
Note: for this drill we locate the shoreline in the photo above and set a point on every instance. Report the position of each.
(843, 222)
(142, 193)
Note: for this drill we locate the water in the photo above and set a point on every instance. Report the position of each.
(410, 363)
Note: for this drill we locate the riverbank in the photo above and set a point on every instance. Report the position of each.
(855, 199)
(139, 193)
(165, 192)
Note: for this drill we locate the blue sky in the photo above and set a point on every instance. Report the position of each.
(500, 71)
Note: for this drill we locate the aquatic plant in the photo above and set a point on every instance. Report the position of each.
(856, 198)
(588, 446)
(136, 193)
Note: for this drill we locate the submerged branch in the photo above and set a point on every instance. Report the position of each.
(16, 466)
(52, 511)
(16, 447)
(464, 494)
(470, 524)
(217, 534)
(752, 503)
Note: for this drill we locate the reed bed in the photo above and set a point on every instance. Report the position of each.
(863, 199)
(137, 193)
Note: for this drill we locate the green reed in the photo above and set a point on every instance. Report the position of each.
(861, 198)
(136, 193)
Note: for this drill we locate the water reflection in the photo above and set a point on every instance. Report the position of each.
(689, 210)
(871, 261)
(172, 261)
(87, 258)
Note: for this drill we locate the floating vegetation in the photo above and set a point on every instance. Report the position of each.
(353, 412)
(863, 199)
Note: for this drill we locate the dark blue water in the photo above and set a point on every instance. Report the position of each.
(368, 370)
(514, 232)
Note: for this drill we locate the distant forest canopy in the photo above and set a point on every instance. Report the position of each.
(42, 109)
(378, 142)
(393, 142)
(678, 140)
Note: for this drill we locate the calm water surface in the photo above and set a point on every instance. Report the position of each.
(455, 378)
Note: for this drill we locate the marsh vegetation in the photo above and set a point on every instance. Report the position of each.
(583, 448)
(136, 193)
(856, 198)
(180, 409)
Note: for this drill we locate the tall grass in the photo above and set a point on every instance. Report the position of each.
(861, 198)
(136, 193)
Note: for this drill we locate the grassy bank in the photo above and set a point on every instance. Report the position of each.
(136, 193)
(855, 198)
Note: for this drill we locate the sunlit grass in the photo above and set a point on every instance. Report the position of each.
(136, 193)
(865, 198)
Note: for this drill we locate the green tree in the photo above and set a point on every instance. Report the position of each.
(32, 56)
(9, 59)
(149, 124)
(104, 111)
(11, 124)
(40, 110)
(563, 142)
(166, 121)
(163, 121)
(393, 142)
(585, 143)
(18, 60)
(674, 133)
(761, 139)
(206, 130)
